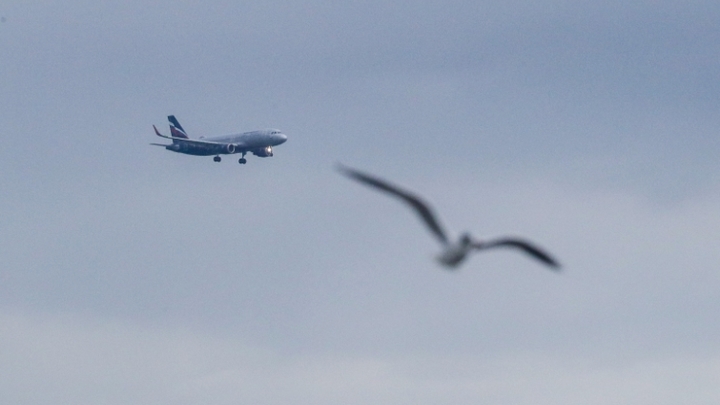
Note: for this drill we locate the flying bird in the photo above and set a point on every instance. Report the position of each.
(453, 253)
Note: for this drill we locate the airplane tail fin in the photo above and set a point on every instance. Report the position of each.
(176, 130)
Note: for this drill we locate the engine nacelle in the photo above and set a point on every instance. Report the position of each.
(229, 148)
(263, 152)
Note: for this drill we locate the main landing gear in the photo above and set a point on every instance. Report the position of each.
(242, 160)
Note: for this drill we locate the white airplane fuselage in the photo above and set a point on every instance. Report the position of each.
(259, 143)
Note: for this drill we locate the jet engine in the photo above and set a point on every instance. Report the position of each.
(263, 152)
(229, 148)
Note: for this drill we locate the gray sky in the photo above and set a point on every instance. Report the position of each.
(134, 275)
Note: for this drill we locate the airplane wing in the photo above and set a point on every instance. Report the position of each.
(191, 141)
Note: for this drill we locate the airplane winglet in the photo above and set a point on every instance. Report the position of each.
(157, 132)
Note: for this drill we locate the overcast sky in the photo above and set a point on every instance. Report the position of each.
(134, 275)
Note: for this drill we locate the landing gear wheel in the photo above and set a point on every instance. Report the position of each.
(242, 161)
(217, 158)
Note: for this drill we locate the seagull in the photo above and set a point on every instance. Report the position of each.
(453, 254)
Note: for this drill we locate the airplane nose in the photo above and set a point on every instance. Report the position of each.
(282, 137)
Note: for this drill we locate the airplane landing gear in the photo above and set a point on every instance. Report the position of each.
(217, 158)
(242, 161)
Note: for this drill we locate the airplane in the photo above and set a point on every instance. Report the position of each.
(259, 143)
(453, 253)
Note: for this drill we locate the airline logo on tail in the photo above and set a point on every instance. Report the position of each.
(176, 130)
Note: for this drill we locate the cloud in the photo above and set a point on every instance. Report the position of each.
(64, 358)
(132, 274)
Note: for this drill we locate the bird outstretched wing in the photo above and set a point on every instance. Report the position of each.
(420, 206)
(523, 245)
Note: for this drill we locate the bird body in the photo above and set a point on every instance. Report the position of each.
(453, 253)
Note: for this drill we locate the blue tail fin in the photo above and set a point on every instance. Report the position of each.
(176, 130)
